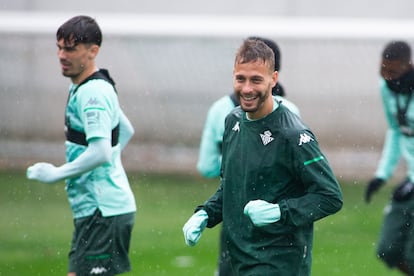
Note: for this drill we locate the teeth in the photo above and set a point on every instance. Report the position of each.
(249, 98)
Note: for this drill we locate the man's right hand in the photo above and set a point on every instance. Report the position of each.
(194, 227)
(373, 186)
(43, 172)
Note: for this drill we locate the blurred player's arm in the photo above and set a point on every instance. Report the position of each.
(98, 152)
(209, 158)
(126, 130)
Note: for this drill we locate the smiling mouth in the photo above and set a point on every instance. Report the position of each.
(250, 98)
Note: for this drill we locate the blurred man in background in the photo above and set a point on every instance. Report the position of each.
(209, 160)
(101, 199)
(275, 181)
(396, 243)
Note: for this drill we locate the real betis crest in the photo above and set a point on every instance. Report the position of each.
(266, 137)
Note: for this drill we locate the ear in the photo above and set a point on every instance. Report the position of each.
(93, 51)
(275, 78)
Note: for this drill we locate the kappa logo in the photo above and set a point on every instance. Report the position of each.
(266, 137)
(98, 270)
(305, 138)
(93, 101)
(236, 127)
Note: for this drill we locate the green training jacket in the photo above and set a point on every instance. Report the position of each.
(277, 159)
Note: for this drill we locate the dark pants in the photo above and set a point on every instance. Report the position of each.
(224, 262)
(396, 243)
(100, 245)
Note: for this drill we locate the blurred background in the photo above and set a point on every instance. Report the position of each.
(172, 59)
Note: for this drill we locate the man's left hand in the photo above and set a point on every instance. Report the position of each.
(262, 212)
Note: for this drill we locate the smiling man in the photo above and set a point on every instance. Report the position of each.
(101, 199)
(275, 181)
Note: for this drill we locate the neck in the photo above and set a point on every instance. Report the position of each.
(266, 109)
(86, 73)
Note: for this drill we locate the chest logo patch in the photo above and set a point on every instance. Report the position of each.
(266, 137)
(236, 127)
(304, 138)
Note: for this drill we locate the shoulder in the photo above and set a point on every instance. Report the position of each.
(96, 90)
(290, 105)
(236, 114)
(290, 125)
(286, 118)
(96, 86)
(223, 103)
(382, 83)
(385, 91)
(298, 137)
(97, 93)
(220, 109)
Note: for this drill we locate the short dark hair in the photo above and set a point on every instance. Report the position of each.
(252, 50)
(80, 29)
(397, 50)
(272, 45)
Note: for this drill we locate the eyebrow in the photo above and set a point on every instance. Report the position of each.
(66, 47)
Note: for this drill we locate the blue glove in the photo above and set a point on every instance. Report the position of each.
(262, 212)
(194, 227)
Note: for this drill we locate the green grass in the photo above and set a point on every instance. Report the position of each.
(36, 228)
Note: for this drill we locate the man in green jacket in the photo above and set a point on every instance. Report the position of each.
(275, 181)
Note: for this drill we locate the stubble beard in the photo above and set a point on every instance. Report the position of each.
(262, 97)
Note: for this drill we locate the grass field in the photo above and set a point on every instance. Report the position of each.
(36, 229)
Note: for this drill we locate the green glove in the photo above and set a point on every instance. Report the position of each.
(194, 227)
(262, 212)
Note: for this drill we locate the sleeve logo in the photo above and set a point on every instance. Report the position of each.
(92, 117)
(305, 138)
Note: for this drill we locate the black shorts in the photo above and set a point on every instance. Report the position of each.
(100, 245)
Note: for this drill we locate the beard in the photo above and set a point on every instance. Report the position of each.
(71, 70)
(252, 102)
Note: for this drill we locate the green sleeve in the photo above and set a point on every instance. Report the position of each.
(213, 207)
(322, 194)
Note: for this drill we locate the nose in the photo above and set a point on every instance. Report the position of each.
(60, 53)
(246, 87)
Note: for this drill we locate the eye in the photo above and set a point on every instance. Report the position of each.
(257, 80)
(240, 78)
(69, 49)
(66, 48)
